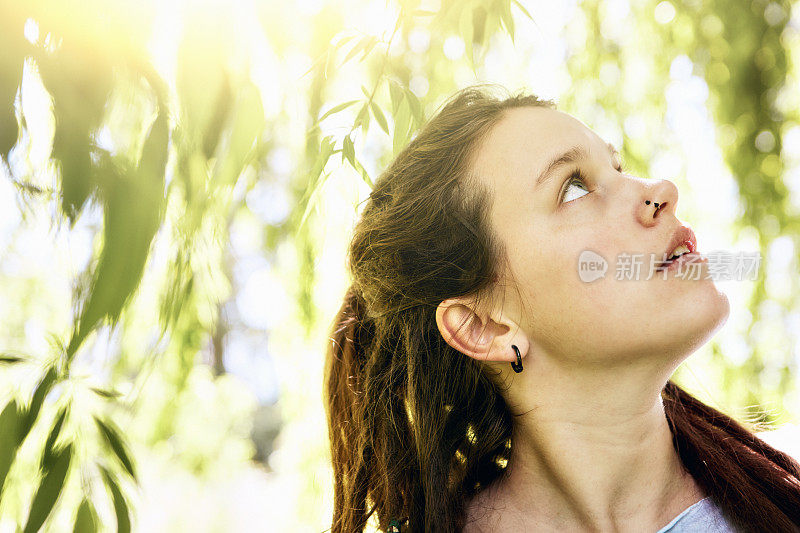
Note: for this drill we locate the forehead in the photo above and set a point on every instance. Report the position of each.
(529, 137)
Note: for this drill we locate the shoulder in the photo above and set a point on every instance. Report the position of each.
(702, 516)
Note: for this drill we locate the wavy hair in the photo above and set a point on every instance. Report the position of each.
(416, 428)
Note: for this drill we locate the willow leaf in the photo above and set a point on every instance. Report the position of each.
(120, 505)
(49, 489)
(117, 445)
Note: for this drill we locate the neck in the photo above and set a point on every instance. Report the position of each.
(596, 458)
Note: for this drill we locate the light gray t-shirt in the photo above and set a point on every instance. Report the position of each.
(702, 517)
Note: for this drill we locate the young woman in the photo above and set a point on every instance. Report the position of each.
(477, 381)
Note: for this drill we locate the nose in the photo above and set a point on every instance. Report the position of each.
(656, 198)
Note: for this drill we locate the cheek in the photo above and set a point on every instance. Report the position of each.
(581, 315)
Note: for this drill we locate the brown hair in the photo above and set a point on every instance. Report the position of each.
(416, 428)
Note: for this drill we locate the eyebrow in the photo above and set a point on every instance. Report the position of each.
(576, 153)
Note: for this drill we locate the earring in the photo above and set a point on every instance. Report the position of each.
(518, 365)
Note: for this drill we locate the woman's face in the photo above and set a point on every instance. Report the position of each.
(547, 226)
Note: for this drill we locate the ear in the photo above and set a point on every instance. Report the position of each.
(478, 334)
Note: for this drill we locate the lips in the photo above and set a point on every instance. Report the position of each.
(682, 235)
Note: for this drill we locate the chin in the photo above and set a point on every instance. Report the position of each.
(702, 317)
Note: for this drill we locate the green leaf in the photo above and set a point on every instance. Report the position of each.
(522, 8)
(365, 174)
(48, 456)
(402, 121)
(336, 109)
(9, 85)
(114, 440)
(10, 422)
(348, 150)
(105, 393)
(480, 26)
(32, 412)
(247, 126)
(85, 521)
(79, 89)
(326, 149)
(49, 489)
(312, 201)
(379, 117)
(218, 119)
(365, 45)
(11, 359)
(362, 119)
(508, 19)
(128, 230)
(369, 46)
(120, 505)
(415, 105)
(396, 93)
(343, 41)
(330, 62)
(317, 62)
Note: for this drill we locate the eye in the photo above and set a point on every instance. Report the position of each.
(575, 178)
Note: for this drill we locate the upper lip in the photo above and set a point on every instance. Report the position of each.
(682, 235)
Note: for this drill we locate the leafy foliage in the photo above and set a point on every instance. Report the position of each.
(168, 156)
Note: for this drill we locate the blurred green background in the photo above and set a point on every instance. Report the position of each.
(179, 182)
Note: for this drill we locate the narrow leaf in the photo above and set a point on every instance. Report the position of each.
(402, 121)
(117, 445)
(105, 393)
(522, 8)
(368, 47)
(336, 109)
(120, 505)
(32, 412)
(396, 93)
(49, 454)
(85, 521)
(358, 47)
(49, 489)
(10, 421)
(317, 62)
(415, 105)
(326, 149)
(508, 19)
(364, 174)
(128, 230)
(343, 41)
(362, 119)
(11, 359)
(348, 150)
(376, 110)
(312, 200)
